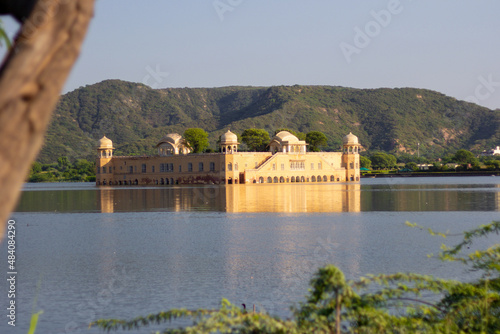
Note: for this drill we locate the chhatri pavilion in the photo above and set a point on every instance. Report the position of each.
(286, 162)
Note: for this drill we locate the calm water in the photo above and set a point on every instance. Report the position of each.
(123, 252)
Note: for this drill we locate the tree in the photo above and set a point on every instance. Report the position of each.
(365, 162)
(256, 139)
(316, 140)
(383, 160)
(197, 139)
(63, 163)
(411, 165)
(31, 79)
(465, 158)
(492, 164)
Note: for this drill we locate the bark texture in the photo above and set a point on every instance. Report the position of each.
(31, 80)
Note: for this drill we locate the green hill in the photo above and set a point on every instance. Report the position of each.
(136, 116)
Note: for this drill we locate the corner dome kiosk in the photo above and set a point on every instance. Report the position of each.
(229, 143)
(350, 143)
(105, 148)
(350, 158)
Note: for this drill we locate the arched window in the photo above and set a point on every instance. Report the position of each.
(275, 179)
(302, 179)
(269, 180)
(261, 179)
(313, 178)
(229, 166)
(319, 178)
(282, 179)
(325, 178)
(292, 179)
(332, 178)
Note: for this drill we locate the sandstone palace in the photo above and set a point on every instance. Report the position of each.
(287, 161)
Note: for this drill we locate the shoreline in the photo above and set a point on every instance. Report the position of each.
(432, 174)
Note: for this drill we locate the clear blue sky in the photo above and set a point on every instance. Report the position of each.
(451, 46)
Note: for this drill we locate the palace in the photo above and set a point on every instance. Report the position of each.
(286, 162)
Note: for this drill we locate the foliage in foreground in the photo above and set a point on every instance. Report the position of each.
(396, 304)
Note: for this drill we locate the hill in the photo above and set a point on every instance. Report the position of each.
(136, 116)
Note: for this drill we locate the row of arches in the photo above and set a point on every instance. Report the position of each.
(162, 181)
(117, 183)
(295, 179)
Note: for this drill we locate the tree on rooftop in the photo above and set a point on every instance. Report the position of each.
(256, 139)
(197, 139)
(316, 140)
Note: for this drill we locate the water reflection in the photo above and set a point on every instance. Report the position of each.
(370, 195)
(293, 198)
(234, 198)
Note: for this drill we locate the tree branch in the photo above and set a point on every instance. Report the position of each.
(20, 9)
(31, 80)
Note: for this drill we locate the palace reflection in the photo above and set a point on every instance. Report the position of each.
(234, 198)
(293, 198)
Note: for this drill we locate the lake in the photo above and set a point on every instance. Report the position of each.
(86, 252)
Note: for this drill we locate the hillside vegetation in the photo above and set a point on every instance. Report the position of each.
(136, 116)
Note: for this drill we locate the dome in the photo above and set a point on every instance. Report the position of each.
(172, 138)
(285, 136)
(105, 142)
(229, 138)
(350, 139)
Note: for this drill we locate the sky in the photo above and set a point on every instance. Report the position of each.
(450, 46)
